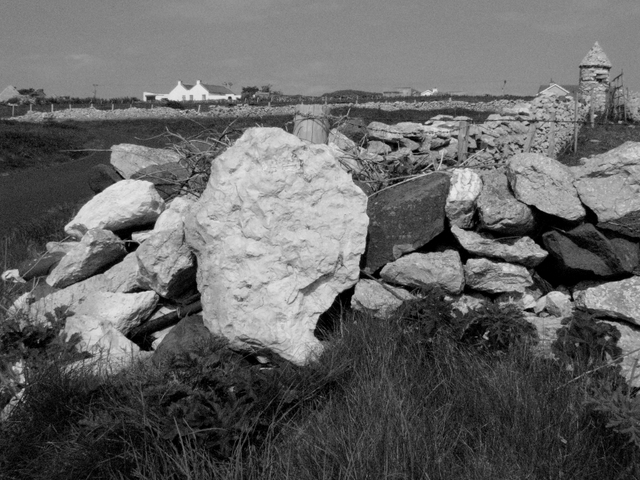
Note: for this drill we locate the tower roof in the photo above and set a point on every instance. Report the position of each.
(596, 58)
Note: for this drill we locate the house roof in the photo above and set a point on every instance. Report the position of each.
(596, 58)
(570, 89)
(9, 92)
(217, 89)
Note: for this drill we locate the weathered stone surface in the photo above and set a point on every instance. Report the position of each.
(546, 184)
(122, 277)
(124, 311)
(395, 133)
(556, 303)
(376, 147)
(169, 178)
(608, 184)
(97, 249)
(186, 337)
(126, 204)
(495, 277)
(127, 158)
(278, 233)
(442, 269)
(102, 176)
(380, 301)
(629, 343)
(405, 217)
(547, 330)
(460, 208)
(343, 142)
(166, 264)
(612, 299)
(584, 252)
(173, 216)
(499, 211)
(521, 250)
(40, 266)
(60, 247)
(467, 302)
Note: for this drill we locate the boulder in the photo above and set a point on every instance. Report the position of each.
(521, 250)
(584, 252)
(166, 264)
(499, 211)
(405, 217)
(441, 269)
(124, 311)
(343, 142)
(629, 343)
(460, 208)
(40, 266)
(555, 303)
(608, 184)
(495, 277)
(123, 205)
(128, 159)
(376, 147)
(60, 247)
(185, 338)
(102, 176)
(377, 299)
(617, 300)
(169, 178)
(278, 233)
(97, 250)
(546, 184)
(395, 133)
(173, 216)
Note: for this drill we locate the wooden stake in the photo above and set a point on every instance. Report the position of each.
(463, 141)
(552, 136)
(530, 136)
(575, 126)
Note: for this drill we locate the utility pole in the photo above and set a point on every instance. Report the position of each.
(504, 87)
(95, 91)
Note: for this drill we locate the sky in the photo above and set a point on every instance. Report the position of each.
(125, 47)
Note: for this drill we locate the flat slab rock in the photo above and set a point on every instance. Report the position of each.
(278, 233)
(618, 300)
(405, 217)
(378, 299)
(442, 269)
(128, 158)
(496, 277)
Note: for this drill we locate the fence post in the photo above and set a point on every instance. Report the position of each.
(113, 106)
(199, 108)
(13, 110)
(592, 113)
(530, 135)
(552, 136)
(31, 107)
(52, 108)
(311, 123)
(463, 141)
(575, 126)
(69, 106)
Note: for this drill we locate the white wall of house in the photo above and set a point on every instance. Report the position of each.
(180, 92)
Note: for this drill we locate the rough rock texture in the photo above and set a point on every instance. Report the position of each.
(442, 269)
(499, 211)
(395, 133)
(173, 216)
(405, 217)
(629, 343)
(496, 277)
(127, 159)
(546, 184)
(186, 337)
(585, 252)
(278, 233)
(166, 264)
(612, 299)
(556, 303)
(460, 208)
(380, 301)
(126, 204)
(521, 250)
(97, 249)
(102, 176)
(64, 247)
(608, 184)
(169, 178)
(124, 311)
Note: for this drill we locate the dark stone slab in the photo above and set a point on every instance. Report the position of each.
(102, 176)
(41, 266)
(187, 336)
(405, 217)
(168, 178)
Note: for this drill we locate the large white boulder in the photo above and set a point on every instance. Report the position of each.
(128, 159)
(460, 208)
(123, 205)
(173, 216)
(97, 249)
(609, 184)
(442, 269)
(278, 233)
(546, 184)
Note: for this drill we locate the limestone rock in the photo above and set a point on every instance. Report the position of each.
(584, 252)
(499, 211)
(378, 300)
(186, 337)
(608, 184)
(126, 204)
(617, 300)
(166, 264)
(496, 277)
(629, 343)
(442, 269)
(102, 176)
(60, 247)
(127, 158)
(343, 142)
(395, 133)
(556, 303)
(546, 184)
(376, 147)
(467, 302)
(40, 266)
(405, 217)
(124, 311)
(278, 233)
(521, 250)
(97, 249)
(466, 186)
(173, 216)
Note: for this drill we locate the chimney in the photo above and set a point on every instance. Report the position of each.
(197, 82)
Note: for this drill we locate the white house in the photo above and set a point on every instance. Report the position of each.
(194, 93)
(429, 93)
(556, 90)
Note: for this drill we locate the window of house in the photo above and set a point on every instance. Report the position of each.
(190, 97)
(204, 97)
(184, 97)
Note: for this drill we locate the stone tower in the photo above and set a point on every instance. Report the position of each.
(594, 77)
